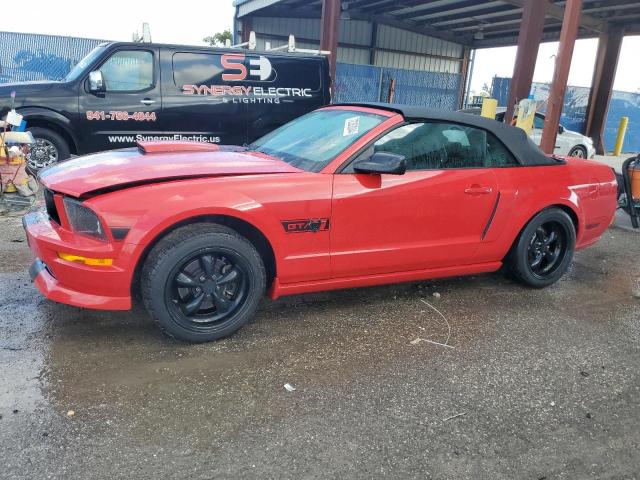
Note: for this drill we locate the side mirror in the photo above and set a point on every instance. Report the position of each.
(96, 82)
(382, 162)
(560, 129)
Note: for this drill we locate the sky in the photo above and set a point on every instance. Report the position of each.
(499, 61)
(118, 19)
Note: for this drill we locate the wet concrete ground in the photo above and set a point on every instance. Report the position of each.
(545, 383)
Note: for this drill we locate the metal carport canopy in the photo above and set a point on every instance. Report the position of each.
(473, 23)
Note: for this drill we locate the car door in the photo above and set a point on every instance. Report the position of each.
(433, 216)
(129, 104)
(205, 95)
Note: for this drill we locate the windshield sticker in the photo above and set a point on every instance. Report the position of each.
(351, 126)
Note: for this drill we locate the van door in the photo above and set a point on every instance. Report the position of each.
(204, 96)
(129, 105)
(295, 85)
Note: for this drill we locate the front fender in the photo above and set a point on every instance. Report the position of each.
(147, 222)
(263, 202)
(49, 116)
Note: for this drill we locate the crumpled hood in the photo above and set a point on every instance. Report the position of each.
(121, 168)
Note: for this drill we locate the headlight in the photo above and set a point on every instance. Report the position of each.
(82, 219)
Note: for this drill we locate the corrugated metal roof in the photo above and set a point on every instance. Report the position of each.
(462, 21)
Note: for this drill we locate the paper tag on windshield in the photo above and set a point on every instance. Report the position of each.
(351, 126)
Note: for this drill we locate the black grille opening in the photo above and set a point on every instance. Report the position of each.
(52, 211)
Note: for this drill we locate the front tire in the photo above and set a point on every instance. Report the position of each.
(49, 148)
(544, 249)
(202, 282)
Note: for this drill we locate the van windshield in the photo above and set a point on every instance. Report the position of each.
(82, 65)
(313, 140)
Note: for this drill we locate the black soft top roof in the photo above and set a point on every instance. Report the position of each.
(515, 139)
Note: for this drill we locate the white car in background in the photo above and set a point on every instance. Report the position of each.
(568, 143)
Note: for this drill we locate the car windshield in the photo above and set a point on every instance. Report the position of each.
(82, 65)
(312, 141)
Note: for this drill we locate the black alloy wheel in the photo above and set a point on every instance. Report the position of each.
(202, 282)
(547, 248)
(207, 288)
(543, 251)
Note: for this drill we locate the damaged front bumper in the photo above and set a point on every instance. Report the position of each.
(72, 283)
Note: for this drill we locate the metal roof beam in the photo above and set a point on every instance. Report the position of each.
(556, 11)
(245, 7)
(397, 6)
(491, 18)
(465, 7)
(476, 24)
(411, 27)
(500, 10)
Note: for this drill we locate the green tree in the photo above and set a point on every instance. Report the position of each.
(219, 39)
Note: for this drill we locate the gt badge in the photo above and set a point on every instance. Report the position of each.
(308, 225)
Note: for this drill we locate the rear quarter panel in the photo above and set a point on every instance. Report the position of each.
(586, 188)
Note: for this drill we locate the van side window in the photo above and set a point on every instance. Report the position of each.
(197, 69)
(128, 71)
(439, 145)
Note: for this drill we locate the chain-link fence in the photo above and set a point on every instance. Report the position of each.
(28, 57)
(367, 83)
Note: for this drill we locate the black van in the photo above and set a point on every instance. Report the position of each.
(121, 93)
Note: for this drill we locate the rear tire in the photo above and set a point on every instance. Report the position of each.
(49, 148)
(544, 249)
(202, 282)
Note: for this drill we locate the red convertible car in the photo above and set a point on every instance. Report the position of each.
(346, 196)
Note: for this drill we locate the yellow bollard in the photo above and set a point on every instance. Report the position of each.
(489, 107)
(622, 130)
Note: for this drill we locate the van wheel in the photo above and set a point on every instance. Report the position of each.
(544, 250)
(202, 282)
(49, 148)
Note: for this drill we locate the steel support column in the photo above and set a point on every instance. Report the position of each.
(604, 73)
(568, 36)
(464, 70)
(528, 43)
(330, 27)
(374, 43)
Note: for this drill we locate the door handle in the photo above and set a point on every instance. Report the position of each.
(478, 190)
(147, 101)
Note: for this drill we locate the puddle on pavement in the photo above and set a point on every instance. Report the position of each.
(23, 347)
(117, 367)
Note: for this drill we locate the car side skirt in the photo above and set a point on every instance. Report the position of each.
(279, 290)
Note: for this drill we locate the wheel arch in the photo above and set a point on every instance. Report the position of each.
(42, 118)
(252, 233)
(569, 210)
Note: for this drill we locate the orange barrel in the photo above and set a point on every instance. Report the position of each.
(634, 175)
